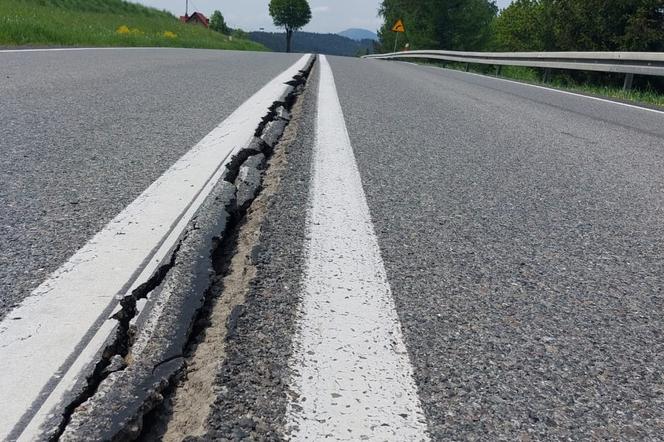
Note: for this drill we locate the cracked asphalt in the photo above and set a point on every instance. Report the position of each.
(253, 380)
(85, 132)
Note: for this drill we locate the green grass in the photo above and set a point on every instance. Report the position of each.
(635, 95)
(532, 76)
(96, 23)
(647, 96)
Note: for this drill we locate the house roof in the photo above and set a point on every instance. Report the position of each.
(195, 17)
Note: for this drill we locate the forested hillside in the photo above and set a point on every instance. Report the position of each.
(331, 44)
(359, 34)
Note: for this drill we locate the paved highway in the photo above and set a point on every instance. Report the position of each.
(445, 256)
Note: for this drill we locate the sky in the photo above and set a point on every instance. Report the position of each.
(251, 15)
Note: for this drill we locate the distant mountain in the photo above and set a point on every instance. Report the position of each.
(359, 34)
(330, 44)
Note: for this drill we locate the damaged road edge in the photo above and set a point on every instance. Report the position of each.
(156, 321)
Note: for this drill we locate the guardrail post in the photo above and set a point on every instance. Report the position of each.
(629, 79)
(499, 69)
(547, 75)
(467, 67)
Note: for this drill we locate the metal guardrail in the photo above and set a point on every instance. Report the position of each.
(630, 63)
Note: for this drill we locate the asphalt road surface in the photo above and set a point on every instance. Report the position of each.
(521, 233)
(468, 258)
(85, 132)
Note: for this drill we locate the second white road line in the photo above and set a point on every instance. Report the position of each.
(354, 380)
(560, 91)
(58, 331)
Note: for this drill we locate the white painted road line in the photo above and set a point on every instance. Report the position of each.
(18, 51)
(353, 376)
(57, 331)
(550, 89)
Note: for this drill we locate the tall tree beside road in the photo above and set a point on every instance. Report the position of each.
(444, 24)
(291, 15)
(217, 23)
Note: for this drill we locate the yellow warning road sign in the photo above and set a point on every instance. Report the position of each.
(398, 27)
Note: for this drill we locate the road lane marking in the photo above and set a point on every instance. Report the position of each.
(16, 51)
(632, 106)
(58, 330)
(353, 376)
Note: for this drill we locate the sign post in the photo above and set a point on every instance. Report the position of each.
(398, 28)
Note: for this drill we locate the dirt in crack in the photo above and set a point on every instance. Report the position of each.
(187, 405)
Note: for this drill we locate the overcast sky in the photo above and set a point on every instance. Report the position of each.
(250, 15)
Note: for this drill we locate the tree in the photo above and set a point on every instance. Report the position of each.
(218, 24)
(581, 25)
(645, 28)
(609, 25)
(526, 25)
(291, 15)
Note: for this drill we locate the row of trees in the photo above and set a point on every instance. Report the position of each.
(581, 25)
(528, 25)
(448, 24)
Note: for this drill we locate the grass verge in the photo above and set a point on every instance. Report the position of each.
(103, 23)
